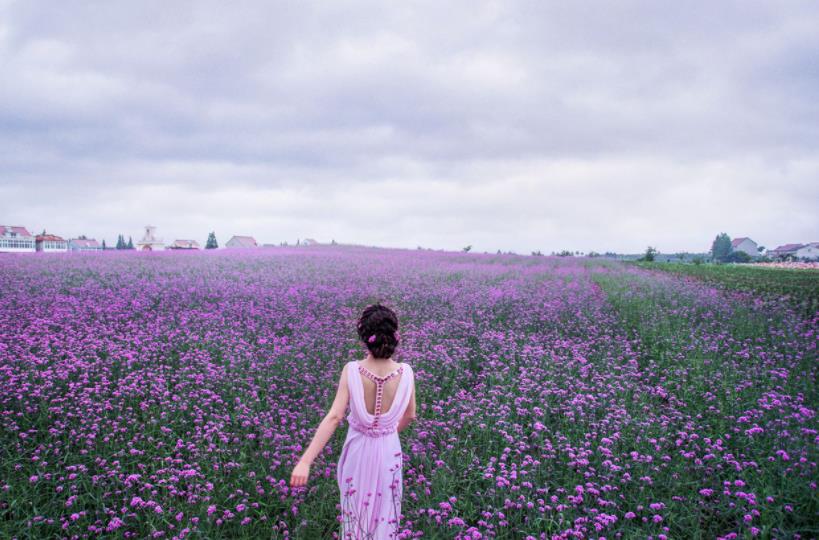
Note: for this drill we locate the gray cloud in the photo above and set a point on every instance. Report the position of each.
(527, 125)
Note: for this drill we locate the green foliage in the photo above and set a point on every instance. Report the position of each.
(467, 248)
(721, 247)
(800, 287)
(650, 254)
(738, 257)
(130, 243)
(211, 242)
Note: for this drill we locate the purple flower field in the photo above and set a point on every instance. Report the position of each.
(168, 395)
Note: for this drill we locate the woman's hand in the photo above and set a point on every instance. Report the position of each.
(300, 473)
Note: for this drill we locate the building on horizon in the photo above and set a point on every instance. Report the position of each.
(241, 242)
(16, 239)
(783, 251)
(746, 245)
(310, 242)
(184, 244)
(83, 244)
(808, 251)
(149, 241)
(50, 243)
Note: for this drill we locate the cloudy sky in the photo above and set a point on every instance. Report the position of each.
(505, 125)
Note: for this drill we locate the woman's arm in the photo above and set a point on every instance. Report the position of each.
(325, 430)
(409, 413)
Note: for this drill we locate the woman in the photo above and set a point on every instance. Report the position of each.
(381, 395)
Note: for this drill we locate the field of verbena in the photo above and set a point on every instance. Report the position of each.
(800, 286)
(168, 395)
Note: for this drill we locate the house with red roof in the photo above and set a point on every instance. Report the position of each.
(83, 244)
(746, 245)
(809, 251)
(241, 242)
(50, 243)
(184, 244)
(787, 250)
(16, 239)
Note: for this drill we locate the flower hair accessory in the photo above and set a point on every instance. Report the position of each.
(371, 338)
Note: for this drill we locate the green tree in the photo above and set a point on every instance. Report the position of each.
(738, 257)
(211, 243)
(120, 242)
(650, 254)
(130, 244)
(721, 247)
(467, 248)
(103, 245)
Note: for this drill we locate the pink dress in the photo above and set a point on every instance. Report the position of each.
(370, 467)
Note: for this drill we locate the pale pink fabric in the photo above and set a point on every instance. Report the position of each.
(370, 467)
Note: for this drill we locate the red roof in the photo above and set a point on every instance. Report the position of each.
(242, 241)
(49, 238)
(789, 247)
(185, 244)
(85, 242)
(737, 241)
(21, 231)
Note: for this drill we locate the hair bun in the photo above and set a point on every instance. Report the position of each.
(378, 329)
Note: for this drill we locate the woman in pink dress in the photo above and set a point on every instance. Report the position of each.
(381, 396)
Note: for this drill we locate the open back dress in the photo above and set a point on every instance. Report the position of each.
(370, 466)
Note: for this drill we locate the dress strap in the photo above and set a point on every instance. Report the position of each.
(379, 387)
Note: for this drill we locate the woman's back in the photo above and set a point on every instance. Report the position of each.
(370, 376)
(371, 462)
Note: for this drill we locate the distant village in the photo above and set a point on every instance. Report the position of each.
(17, 239)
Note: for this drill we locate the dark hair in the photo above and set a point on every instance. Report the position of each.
(382, 323)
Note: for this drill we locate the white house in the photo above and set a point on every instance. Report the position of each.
(184, 244)
(310, 242)
(149, 240)
(84, 244)
(242, 242)
(808, 251)
(787, 250)
(746, 245)
(50, 243)
(16, 239)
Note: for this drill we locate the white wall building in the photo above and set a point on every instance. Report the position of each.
(242, 242)
(746, 245)
(184, 244)
(149, 240)
(84, 244)
(51, 243)
(16, 239)
(808, 251)
(785, 251)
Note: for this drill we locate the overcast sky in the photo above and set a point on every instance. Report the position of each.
(505, 125)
